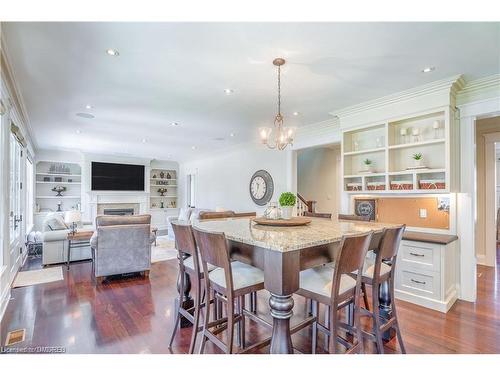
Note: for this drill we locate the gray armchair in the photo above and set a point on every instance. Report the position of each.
(122, 244)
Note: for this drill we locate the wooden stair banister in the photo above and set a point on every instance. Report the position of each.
(305, 205)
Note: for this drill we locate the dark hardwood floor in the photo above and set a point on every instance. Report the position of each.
(135, 315)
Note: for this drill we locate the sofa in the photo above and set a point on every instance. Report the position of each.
(55, 240)
(122, 244)
(186, 215)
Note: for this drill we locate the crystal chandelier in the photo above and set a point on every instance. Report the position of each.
(283, 136)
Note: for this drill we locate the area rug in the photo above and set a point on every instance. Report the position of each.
(46, 275)
(165, 250)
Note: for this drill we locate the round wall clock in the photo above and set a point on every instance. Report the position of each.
(261, 187)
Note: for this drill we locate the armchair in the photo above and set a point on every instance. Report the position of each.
(122, 244)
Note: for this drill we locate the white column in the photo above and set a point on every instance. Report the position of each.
(466, 209)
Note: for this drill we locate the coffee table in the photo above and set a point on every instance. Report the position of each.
(78, 239)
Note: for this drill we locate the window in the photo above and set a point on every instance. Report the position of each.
(15, 216)
(30, 189)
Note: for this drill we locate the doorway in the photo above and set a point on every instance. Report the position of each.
(487, 159)
(318, 177)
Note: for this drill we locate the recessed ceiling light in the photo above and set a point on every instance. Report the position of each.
(85, 115)
(78, 131)
(296, 113)
(231, 134)
(428, 69)
(144, 140)
(88, 106)
(112, 52)
(174, 123)
(228, 91)
(193, 147)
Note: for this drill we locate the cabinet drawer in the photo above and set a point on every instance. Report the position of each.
(423, 284)
(420, 256)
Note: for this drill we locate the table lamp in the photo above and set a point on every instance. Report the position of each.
(73, 217)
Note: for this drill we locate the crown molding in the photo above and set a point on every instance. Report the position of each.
(454, 84)
(479, 89)
(16, 97)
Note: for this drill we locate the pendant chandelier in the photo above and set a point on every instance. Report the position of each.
(283, 136)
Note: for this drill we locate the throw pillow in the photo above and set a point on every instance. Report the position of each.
(56, 223)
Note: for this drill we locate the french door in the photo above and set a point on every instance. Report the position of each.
(16, 201)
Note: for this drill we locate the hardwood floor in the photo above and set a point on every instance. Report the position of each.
(135, 315)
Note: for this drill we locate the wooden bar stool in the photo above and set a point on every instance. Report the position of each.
(375, 273)
(317, 214)
(189, 262)
(335, 287)
(229, 282)
(353, 217)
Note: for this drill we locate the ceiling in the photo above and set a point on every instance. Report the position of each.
(177, 72)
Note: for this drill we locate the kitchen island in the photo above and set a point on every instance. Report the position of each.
(282, 252)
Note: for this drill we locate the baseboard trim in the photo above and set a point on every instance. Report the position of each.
(441, 306)
(4, 301)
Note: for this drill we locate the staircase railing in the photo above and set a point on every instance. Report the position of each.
(304, 205)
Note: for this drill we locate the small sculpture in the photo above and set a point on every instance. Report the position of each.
(162, 191)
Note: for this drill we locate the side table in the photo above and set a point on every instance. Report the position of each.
(78, 239)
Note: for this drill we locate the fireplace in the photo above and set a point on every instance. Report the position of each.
(119, 211)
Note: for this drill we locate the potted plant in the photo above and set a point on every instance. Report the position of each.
(287, 202)
(418, 158)
(368, 164)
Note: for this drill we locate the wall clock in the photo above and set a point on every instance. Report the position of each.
(261, 187)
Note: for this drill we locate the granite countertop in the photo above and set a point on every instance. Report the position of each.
(442, 239)
(318, 232)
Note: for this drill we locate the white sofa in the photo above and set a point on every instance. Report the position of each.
(55, 243)
(185, 214)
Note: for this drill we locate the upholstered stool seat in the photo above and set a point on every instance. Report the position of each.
(244, 276)
(189, 263)
(318, 280)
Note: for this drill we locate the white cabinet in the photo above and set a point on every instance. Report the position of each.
(426, 274)
(379, 158)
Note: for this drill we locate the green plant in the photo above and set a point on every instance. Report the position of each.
(367, 162)
(417, 156)
(287, 199)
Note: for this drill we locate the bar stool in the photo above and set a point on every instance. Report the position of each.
(375, 273)
(353, 217)
(189, 262)
(230, 282)
(335, 287)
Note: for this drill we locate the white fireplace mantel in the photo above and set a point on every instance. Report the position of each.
(113, 197)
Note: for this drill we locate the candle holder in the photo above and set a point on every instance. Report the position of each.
(403, 132)
(436, 125)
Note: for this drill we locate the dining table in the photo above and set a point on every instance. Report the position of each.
(282, 252)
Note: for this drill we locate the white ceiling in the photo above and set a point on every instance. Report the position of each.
(177, 72)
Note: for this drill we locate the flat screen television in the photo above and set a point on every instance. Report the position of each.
(110, 176)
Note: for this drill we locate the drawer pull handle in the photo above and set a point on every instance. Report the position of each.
(417, 255)
(417, 282)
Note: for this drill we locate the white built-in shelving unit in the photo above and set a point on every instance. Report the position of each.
(163, 178)
(50, 174)
(393, 168)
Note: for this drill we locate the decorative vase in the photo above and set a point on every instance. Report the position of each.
(168, 176)
(286, 212)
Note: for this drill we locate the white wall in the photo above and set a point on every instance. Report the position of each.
(222, 179)
(85, 160)
(318, 175)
